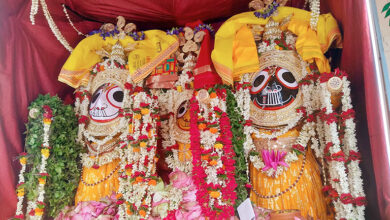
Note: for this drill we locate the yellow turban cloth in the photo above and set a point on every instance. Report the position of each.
(148, 53)
(235, 51)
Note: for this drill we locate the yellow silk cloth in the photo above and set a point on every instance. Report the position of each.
(306, 196)
(101, 190)
(148, 53)
(235, 51)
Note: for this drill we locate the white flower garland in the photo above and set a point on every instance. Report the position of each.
(45, 153)
(139, 193)
(350, 144)
(53, 27)
(21, 190)
(336, 168)
(315, 13)
(70, 21)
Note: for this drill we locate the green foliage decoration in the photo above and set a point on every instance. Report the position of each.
(238, 139)
(63, 164)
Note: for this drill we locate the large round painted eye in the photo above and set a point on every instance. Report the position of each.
(286, 78)
(115, 96)
(182, 109)
(260, 81)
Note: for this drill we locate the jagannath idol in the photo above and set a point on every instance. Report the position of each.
(196, 130)
(118, 119)
(300, 134)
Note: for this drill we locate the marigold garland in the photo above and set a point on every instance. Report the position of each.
(213, 165)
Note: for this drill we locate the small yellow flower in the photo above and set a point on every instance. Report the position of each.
(130, 128)
(179, 88)
(45, 152)
(218, 146)
(137, 116)
(129, 171)
(142, 144)
(47, 121)
(145, 111)
(277, 47)
(20, 192)
(42, 181)
(192, 84)
(23, 160)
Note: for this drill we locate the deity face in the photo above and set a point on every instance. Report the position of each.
(106, 103)
(183, 116)
(274, 88)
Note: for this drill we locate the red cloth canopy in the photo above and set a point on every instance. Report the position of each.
(31, 58)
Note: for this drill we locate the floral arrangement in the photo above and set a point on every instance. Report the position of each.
(213, 164)
(138, 172)
(20, 191)
(51, 133)
(103, 209)
(340, 150)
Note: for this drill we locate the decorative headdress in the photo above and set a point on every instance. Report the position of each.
(235, 51)
(149, 50)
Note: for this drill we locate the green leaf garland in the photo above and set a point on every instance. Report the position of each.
(238, 139)
(63, 165)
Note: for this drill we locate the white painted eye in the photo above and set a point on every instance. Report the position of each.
(183, 108)
(95, 97)
(286, 78)
(115, 96)
(260, 81)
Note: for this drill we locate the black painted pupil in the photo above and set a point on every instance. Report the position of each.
(118, 96)
(95, 97)
(258, 80)
(288, 76)
(181, 110)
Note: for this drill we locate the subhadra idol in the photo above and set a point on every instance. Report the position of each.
(117, 116)
(285, 92)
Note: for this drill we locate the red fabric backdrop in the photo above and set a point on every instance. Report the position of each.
(31, 58)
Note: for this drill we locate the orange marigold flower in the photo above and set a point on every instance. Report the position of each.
(213, 130)
(119, 195)
(202, 126)
(137, 116)
(139, 179)
(213, 95)
(142, 144)
(214, 194)
(145, 111)
(42, 181)
(152, 182)
(205, 157)
(213, 162)
(142, 213)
